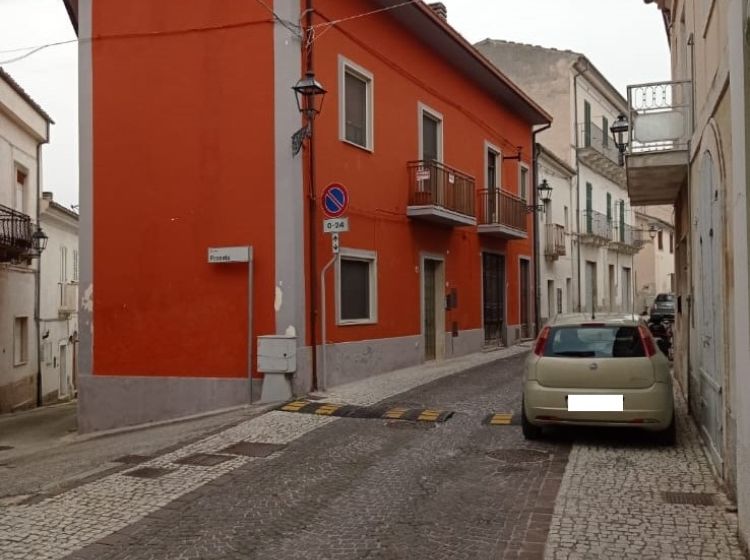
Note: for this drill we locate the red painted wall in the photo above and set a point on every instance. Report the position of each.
(405, 72)
(183, 160)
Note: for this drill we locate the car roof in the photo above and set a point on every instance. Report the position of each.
(621, 319)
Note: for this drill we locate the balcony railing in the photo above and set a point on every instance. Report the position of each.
(500, 208)
(554, 241)
(594, 137)
(660, 116)
(441, 193)
(15, 234)
(628, 237)
(596, 227)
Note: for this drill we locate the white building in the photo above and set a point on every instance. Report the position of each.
(58, 304)
(603, 238)
(24, 127)
(654, 264)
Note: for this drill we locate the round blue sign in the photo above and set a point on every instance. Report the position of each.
(335, 200)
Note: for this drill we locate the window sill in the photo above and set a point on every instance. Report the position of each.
(367, 149)
(354, 322)
(19, 364)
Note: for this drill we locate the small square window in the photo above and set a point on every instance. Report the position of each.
(21, 341)
(357, 293)
(356, 105)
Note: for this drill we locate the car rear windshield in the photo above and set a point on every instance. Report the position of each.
(594, 342)
(665, 298)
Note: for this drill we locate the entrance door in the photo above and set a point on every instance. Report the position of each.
(590, 303)
(627, 290)
(493, 282)
(430, 329)
(63, 391)
(525, 300)
(612, 292)
(709, 341)
(550, 299)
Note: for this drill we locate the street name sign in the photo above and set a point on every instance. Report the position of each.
(228, 254)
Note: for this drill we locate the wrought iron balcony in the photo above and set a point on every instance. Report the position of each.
(16, 233)
(596, 228)
(440, 194)
(598, 151)
(661, 125)
(502, 214)
(627, 239)
(554, 237)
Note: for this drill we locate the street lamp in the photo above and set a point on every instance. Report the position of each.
(652, 231)
(545, 195)
(39, 241)
(619, 129)
(309, 94)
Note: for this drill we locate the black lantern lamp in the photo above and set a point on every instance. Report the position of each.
(309, 94)
(39, 241)
(545, 195)
(619, 130)
(652, 231)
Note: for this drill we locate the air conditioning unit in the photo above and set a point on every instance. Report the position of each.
(69, 299)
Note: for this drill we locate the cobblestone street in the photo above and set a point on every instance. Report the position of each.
(377, 488)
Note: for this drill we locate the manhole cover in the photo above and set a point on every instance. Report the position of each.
(5, 447)
(203, 460)
(518, 456)
(148, 472)
(132, 459)
(689, 498)
(252, 449)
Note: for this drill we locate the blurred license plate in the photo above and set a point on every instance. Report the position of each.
(595, 403)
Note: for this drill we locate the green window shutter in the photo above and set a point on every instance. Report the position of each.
(609, 207)
(589, 204)
(587, 124)
(622, 221)
(605, 132)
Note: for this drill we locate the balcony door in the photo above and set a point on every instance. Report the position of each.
(493, 293)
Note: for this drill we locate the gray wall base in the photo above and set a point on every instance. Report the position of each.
(107, 402)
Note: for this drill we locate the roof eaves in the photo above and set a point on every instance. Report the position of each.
(25, 96)
(552, 156)
(71, 6)
(583, 63)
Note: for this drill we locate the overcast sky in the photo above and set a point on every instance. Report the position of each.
(625, 39)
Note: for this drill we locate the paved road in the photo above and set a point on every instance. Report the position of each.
(370, 488)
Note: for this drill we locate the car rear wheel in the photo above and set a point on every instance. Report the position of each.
(669, 436)
(529, 430)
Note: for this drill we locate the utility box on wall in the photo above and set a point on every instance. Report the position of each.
(277, 354)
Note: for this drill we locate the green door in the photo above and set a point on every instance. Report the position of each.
(586, 124)
(589, 208)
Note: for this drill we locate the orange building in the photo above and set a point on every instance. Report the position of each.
(187, 113)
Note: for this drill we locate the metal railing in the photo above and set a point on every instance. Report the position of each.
(594, 137)
(498, 207)
(661, 116)
(432, 183)
(15, 231)
(625, 234)
(596, 224)
(555, 240)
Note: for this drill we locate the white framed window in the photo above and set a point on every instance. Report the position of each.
(356, 287)
(430, 124)
(20, 341)
(356, 105)
(21, 177)
(75, 265)
(523, 181)
(493, 165)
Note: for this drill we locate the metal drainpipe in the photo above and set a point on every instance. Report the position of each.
(312, 200)
(537, 244)
(578, 181)
(38, 291)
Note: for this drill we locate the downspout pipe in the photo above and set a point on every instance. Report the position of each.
(537, 242)
(312, 203)
(38, 275)
(578, 176)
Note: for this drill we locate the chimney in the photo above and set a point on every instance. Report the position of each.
(440, 9)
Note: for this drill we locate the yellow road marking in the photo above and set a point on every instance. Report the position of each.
(429, 415)
(501, 419)
(327, 409)
(395, 413)
(294, 406)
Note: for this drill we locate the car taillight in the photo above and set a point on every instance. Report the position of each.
(541, 342)
(648, 343)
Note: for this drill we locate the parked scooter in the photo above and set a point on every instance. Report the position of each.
(662, 332)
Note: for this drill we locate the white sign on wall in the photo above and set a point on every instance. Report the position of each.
(228, 254)
(336, 225)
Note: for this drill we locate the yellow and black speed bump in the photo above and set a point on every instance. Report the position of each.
(383, 412)
(502, 419)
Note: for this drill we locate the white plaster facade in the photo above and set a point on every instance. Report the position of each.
(583, 105)
(24, 127)
(59, 301)
(654, 264)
